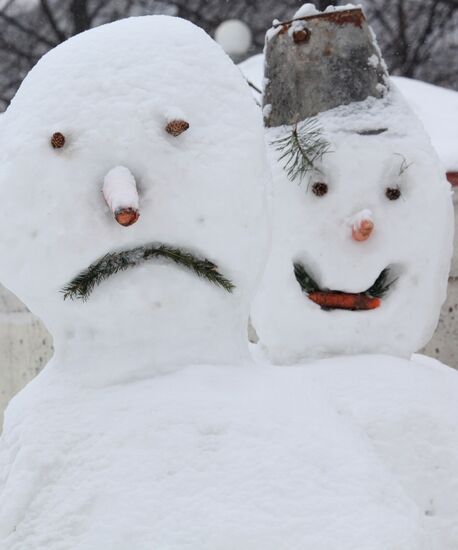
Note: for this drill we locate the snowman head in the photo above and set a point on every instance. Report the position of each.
(132, 172)
(362, 244)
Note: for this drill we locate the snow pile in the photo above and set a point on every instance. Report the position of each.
(308, 10)
(342, 453)
(305, 11)
(204, 458)
(408, 412)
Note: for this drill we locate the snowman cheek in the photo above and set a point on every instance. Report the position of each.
(120, 193)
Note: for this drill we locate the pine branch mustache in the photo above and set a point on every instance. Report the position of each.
(81, 287)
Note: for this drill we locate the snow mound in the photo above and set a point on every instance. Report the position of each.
(408, 411)
(357, 452)
(205, 458)
(308, 10)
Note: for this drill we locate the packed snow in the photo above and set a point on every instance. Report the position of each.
(308, 10)
(151, 427)
(355, 452)
(436, 107)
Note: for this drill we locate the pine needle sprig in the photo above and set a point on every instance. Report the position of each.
(81, 286)
(303, 278)
(382, 285)
(301, 149)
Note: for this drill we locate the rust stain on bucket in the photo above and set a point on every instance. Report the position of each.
(340, 17)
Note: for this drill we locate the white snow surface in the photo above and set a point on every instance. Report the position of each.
(120, 189)
(308, 10)
(110, 92)
(435, 106)
(344, 453)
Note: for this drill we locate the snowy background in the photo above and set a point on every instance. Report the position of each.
(418, 37)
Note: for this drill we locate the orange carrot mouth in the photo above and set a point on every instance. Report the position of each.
(343, 300)
(336, 299)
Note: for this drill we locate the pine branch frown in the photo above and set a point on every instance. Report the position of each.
(81, 287)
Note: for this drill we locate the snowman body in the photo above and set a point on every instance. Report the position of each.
(372, 226)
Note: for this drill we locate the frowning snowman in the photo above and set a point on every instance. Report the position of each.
(362, 211)
(127, 200)
(133, 169)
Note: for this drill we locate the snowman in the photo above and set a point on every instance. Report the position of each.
(134, 224)
(361, 247)
(363, 219)
(124, 163)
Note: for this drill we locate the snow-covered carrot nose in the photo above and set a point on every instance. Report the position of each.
(120, 192)
(362, 225)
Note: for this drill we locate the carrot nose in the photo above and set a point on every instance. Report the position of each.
(362, 230)
(361, 225)
(120, 192)
(127, 216)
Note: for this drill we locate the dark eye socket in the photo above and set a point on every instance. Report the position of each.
(319, 188)
(393, 193)
(57, 140)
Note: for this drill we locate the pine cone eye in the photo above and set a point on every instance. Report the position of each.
(319, 188)
(57, 140)
(392, 193)
(176, 127)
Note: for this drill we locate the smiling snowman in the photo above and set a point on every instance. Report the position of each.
(134, 224)
(363, 219)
